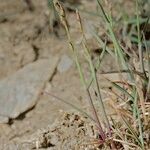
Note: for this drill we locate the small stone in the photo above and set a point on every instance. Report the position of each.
(64, 64)
(20, 91)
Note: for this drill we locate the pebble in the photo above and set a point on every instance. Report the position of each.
(64, 64)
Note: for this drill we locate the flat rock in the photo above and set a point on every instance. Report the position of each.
(64, 64)
(19, 92)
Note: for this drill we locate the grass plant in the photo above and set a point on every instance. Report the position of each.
(130, 130)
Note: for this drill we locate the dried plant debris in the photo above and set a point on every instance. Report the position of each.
(70, 131)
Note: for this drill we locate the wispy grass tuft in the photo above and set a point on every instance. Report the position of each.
(62, 15)
(132, 101)
(134, 92)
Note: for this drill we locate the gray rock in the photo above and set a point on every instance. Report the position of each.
(4, 119)
(19, 92)
(64, 64)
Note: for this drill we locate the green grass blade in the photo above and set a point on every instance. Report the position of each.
(121, 89)
(101, 43)
(132, 131)
(71, 105)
